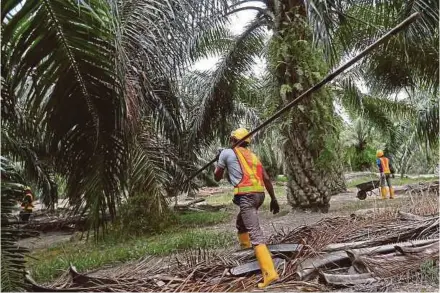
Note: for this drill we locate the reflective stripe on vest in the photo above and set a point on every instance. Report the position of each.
(252, 181)
(384, 162)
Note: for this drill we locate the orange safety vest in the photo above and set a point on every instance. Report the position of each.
(252, 181)
(385, 163)
(28, 206)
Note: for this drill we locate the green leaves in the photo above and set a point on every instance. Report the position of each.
(405, 127)
(12, 256)
(380, 111)
(86, 75)
(214, 91)
(68, 48)
(409, 58)
(285, 88)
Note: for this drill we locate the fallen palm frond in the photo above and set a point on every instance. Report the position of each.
(344, 280)
(405, 260)
(58, 223)
(319, 235)
(423, 188)
(345, 258)
(343, 250)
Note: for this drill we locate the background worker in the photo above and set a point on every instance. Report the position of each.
(26, 204)
(385, 170)
(249, 179)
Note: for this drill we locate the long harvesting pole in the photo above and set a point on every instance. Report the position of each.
(320, 84)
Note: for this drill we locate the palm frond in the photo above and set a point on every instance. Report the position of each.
(212, 38)
(35, 168)
(145, 177)
(408, 59)
(158, 39)
(379, 111)
(25, 140)
(76, 87)
(427, 117)
(214, 90)
(358, 133)
(12, 256)
(174, 163)
(325, 17)
(269, 149)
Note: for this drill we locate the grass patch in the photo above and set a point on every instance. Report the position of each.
(226, 198)
(429, 272)
(281, 178)
(395, 181)
(86, 256)
(219, 199)
(119, 247)
(200, 219)
(280, 193)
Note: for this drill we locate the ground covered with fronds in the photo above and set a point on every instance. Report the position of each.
(406, 236)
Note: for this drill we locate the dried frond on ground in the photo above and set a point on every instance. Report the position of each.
(401, 263)
(373, 239)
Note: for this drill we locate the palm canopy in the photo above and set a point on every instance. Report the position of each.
(72, 74)
(89, 76)
(123, 81)
(340, 28)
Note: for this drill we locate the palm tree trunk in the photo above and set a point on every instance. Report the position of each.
(311, 148)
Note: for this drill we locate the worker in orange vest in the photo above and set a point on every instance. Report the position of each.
(26, 204)
(385, 170)
(249, 179)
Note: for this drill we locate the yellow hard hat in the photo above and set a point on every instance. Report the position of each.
(240, 133)
(379, 153)
(27, 188)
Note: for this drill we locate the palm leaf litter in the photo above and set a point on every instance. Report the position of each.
(334, 252)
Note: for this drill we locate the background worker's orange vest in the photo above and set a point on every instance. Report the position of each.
(27, 206)
(385, 163)
(252, 181)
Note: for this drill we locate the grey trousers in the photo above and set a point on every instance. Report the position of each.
(247, 218)
(385, 180)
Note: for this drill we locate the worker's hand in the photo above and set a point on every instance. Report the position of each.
(274, 207)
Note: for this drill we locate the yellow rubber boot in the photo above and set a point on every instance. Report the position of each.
(245, 240)
(266, 264)
(391, 193)
(384, 192)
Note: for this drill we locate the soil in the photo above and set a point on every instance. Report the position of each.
(45, 240)
(341, 204)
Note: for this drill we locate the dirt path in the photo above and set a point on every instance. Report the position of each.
(341, 204)
(45, 240)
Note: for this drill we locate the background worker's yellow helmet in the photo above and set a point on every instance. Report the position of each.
(240, 133)
(379, 153)
(27, 188)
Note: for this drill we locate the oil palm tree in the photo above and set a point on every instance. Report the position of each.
(308, 38)
(95, 83)
(358, 140)
(417, 139)
(88, 88)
